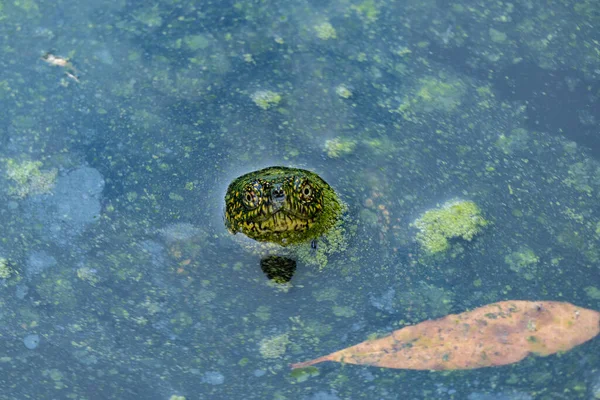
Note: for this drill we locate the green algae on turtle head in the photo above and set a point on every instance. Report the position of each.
(281, 205)
(455, 219)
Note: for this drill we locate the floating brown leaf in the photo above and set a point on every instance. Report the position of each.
(497, 334)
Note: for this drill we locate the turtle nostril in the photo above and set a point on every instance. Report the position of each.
(277, 192)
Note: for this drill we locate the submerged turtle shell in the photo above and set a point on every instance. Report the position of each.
(281, 205)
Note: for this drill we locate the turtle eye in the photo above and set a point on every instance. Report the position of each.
(306, 192)
(250, 199)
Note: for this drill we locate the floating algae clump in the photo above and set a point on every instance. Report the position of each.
(437, 94)
(29, 179)
(524, 262)
(432, 95)
(332, 242)
(303, 374)
(343, 91)
(339, 147)
(592, 292)
(5, 269)
(275, 346)
(455, 219)
(325, 31)
(265, 99)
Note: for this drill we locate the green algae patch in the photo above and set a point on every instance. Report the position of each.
(367, 11)
(325, 31)
(265, 99)
(197, 42)
(432, 95)
(454, 220)
(303, 374)
(151, 16)
(583, 177)
(592, 292)
(440, 95)
(28, 179)
(339, 147)
(5, 269)
(334, 241)
(343, 311)
(424, 301)
(497, 36)
(57, 291)
(274, 347)
(343, 91)
(524, 262)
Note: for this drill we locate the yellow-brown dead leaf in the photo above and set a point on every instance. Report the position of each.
(496, 334)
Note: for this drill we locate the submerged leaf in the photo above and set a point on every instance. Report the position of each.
(496, 334)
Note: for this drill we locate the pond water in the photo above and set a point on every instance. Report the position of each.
(123, 123)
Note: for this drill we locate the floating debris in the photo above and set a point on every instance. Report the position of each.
(496, 334)
(62, 62)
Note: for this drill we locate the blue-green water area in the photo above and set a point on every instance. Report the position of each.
(122, 123)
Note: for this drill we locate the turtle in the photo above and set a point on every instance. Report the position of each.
(286, 214)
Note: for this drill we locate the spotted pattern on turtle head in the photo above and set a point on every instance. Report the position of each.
(281, 205)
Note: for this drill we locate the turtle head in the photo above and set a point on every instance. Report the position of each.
(281, 205)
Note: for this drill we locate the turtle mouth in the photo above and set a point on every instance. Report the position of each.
(283, 212)
(282, 222)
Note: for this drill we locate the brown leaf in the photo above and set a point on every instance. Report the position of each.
(497, 334)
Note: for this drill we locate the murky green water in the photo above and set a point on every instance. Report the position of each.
(123, 122)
